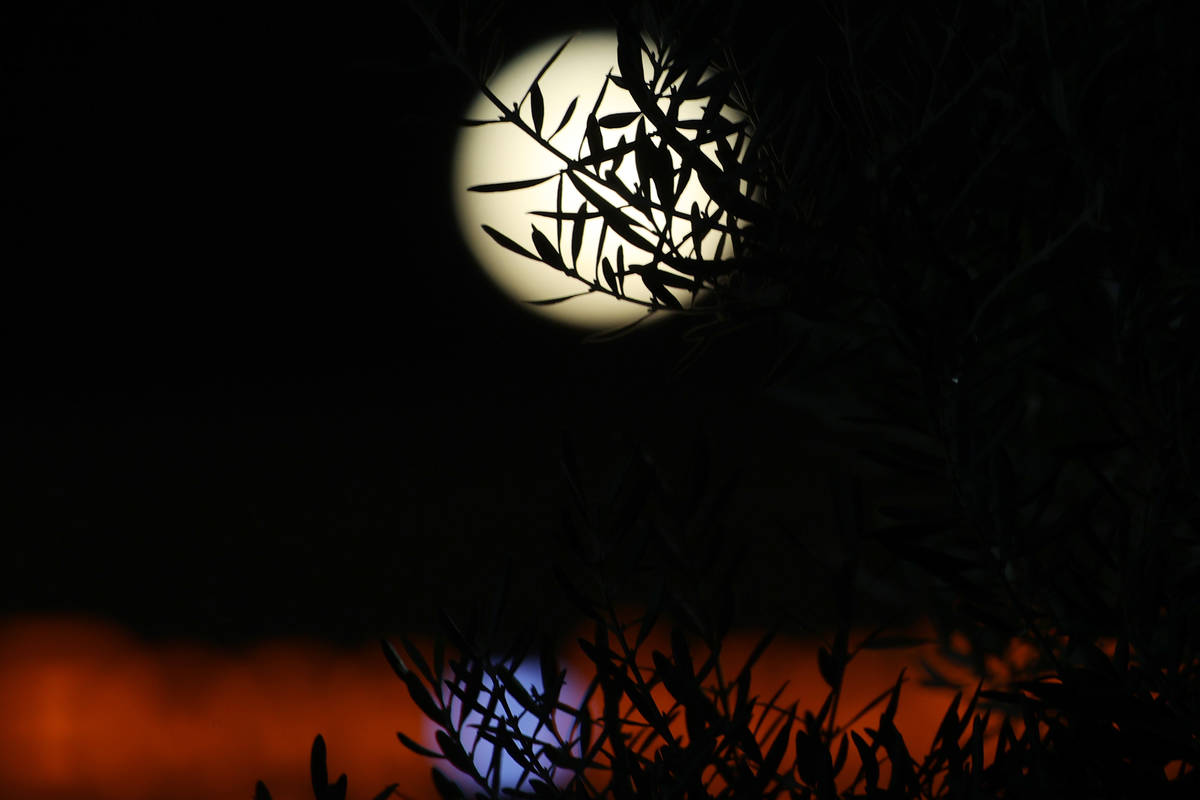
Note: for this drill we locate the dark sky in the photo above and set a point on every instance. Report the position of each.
(254, 385)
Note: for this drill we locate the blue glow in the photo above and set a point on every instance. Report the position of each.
(529, 676)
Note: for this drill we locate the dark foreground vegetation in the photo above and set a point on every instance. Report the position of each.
(968, 235)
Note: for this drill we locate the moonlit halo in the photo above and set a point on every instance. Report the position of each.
(529, 675)
(501, 152)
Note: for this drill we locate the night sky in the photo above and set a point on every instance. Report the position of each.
(255, 386)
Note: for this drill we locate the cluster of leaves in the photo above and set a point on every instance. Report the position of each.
(663, 241)
(974, 246)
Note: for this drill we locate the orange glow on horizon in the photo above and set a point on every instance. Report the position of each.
(92, 713)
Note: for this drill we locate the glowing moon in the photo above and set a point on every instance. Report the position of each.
(500, 152)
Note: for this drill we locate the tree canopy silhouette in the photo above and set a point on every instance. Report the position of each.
(969, 231)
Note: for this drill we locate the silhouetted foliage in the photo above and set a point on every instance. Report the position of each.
(972, 239)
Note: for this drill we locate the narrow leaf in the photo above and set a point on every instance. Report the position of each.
(509, 186)
(619, 120)
(393, 658)
(609, 277)
(577, 234)
(538, 106)
(316, 765)
(553, 58)
(417, 748)
(548, 253)
(553, 300)
(419, 660)
(595, 140)
(566, 117)
(507, 243)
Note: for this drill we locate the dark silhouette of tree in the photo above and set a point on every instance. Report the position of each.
(968, 232)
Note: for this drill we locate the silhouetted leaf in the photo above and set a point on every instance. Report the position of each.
(699, 229)
(548, 254)
(419, 660)
(594, 138)
(508, 243)
(509, 186)
(538, 107)
(317, 770)
(577, 234)
(566, 116)
(866, 754)
(643, 158)
(555, 300)
(618, 153)
(393, 658)
(387, 792)
(840, 760)
(553, 57)
(618, 120)
(621, 269)
(417, 748)
(610, 279)
(260, 791)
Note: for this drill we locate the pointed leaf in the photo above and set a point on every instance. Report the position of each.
(418, 659)
(619, 120)
(417, 748)
(538, 106)
(260, 791)
(609, 277)
(558, 207)
(618, 153)
(387, 792)
(507, 243)
(595, 140)
(393, 658)
(621, 268)
(554, 57)
(870, 765)
(548, 253)
(509, 186)
(840, 760)
(316, 765)
(577, 234)
(699, 229)
(550, 301)
(566, 116)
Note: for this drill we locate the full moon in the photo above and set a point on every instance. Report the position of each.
(577, 84)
